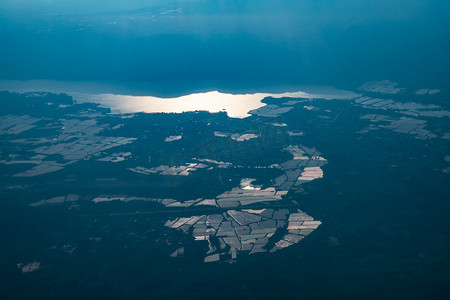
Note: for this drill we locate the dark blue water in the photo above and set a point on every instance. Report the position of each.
(268, 43)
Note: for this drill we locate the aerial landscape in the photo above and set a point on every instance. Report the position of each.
(271, 149)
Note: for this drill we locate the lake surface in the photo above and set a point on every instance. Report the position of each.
(236, 105)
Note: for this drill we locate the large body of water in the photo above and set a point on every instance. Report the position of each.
(236, 105)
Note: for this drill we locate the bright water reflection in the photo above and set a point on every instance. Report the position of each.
(235, 105)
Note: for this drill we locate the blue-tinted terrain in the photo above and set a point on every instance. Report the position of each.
(224, 149)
